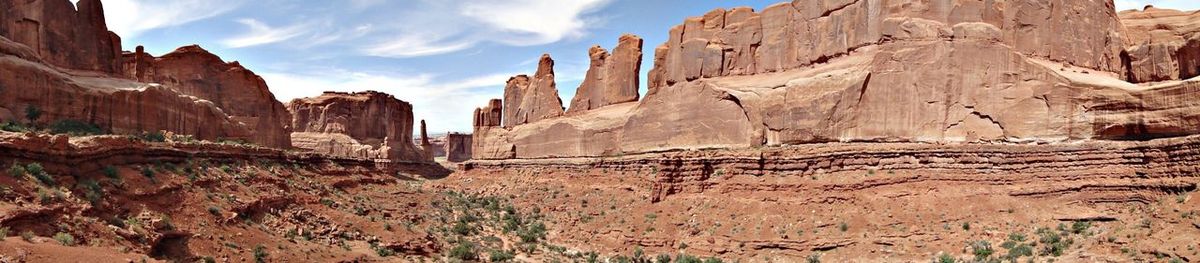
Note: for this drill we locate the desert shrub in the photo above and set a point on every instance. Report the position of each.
(16, 170)
(982, 249)
(27, 236)
(3, 232)
(214, 210)
(260, 254)
(843, 227)
(154, 136)
(1079, 227)
(75, 128)
(111, 172)
(148, 172)
(461, 228)
(464, 251)
(685, 258)
(93, 192)
(36, 170)
(664, 258)
(501, 256)
(945, 258)
(532, 233)
(1054, 244)
(12, 126)
(64, 239)
(1022, 250)
(966, 226)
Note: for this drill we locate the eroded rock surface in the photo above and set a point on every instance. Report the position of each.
(530, 99)
(193, 71)
(885, 71)
(1163, 44)
(458, 147)
(611, 79)
(363, 125)
(70, 37)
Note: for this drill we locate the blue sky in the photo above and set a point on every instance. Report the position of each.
(446, 57)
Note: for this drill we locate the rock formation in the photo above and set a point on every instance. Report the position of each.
(1163, 44)
(458, 147)
(62, 36)
(193, 71)
(68, 64)
(611, 79)
(886, 71)
(427, 150)
(362, 125)
(530, 99)
(490, 115)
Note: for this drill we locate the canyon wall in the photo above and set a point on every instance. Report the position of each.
(873, 71)
(193, 71)
(371, 125)
(1163, 44)
(611, 79)
(458, 147)
(67, 64)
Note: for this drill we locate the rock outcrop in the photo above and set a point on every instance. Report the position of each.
(611, 79)
(368, 124)
(193, 71)
(490, 115)
(1163, 44)
(530, 99)
(458, 147)
(66, 36)
(427, 151)
(875, 71)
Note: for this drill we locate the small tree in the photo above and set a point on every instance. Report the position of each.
(32, 113)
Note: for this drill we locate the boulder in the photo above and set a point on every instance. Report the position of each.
(368, 124)
(611, 79)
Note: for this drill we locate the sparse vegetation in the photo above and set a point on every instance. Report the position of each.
(982, 249)
(16, 170)
(75, 128)
(27, 236)
(111, 172)
(464, 251)
(154, 136)
(32, 113)
(64, 239)
(260, 254)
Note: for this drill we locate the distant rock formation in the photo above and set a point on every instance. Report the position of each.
(954, 71)
(427, 150)
(362, 125)
(458, 147)
(611, 79)
(193, 71)
(490, 115)
(530, 99)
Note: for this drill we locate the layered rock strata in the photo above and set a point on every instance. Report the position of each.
(898, 71)
(370, 125)
(611, 79)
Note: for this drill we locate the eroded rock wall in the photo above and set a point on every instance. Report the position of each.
(362, 125)
(1163, 44)
(531, 99)
(70, 37)
(1084, 33)
(611, 78)
(242, 94)
(458, 147)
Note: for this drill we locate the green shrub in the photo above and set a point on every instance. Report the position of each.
(36, 170)
(1080, 226)
(664, 258)
(65, 239)
(3, 232)
(27, 236)
(685, 258)
(75, 128)
(93, 192)
(1022, 250)
(982, 249)
(148, 172)
(111, 172)
(12, 126)
(843, 227)
(501, 256)
(464, 251)
(945, 258)
(260, 254)
(1054, 244)
(214, 210)
(17, 170)
(154, 136)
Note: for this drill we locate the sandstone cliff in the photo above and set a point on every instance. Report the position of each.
(368, 124)
(879, 71)
(458, 147)
(1163, 44)
(611, 79)
(530, 99)
(193, 71)
(62, 36)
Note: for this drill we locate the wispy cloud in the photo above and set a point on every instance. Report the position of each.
(260, 33)
(427, 93)
(131, 18)
(415, 46)
(533, 22)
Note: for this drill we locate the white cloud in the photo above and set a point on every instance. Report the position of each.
(437, 102)
(1169, 4)
(260, 34)
(415, 46)
(444, 27)
(130, 18)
